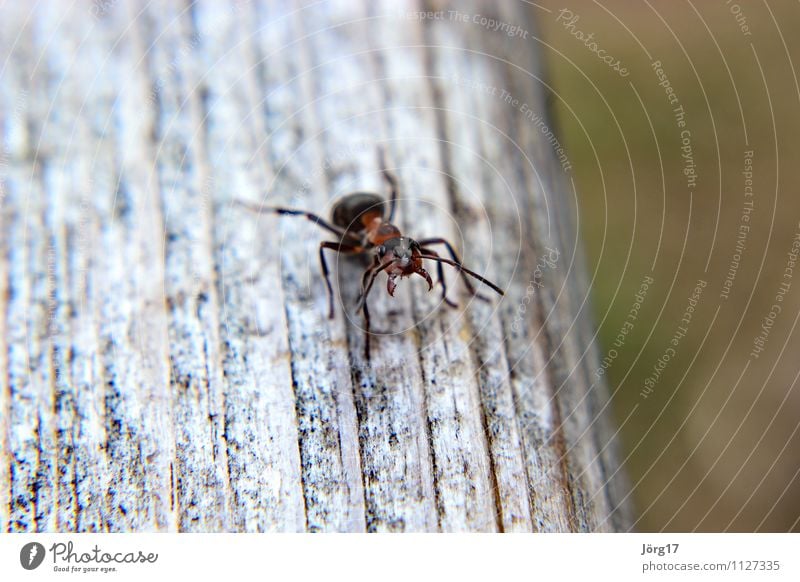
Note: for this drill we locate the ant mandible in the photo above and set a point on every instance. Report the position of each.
(363, 226)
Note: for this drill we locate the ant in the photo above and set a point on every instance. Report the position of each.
(364, 226)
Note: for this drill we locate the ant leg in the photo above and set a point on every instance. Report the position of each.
(316, 219)
(467, 283)
(372, 273)
(366, 331)
(339, 248)
(440, 271)
(393, 187)
(362, 303)
(367, 272)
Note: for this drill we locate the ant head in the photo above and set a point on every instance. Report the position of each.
(402, 250)
(402, 257)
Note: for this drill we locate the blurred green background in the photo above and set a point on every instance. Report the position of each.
(715, 445)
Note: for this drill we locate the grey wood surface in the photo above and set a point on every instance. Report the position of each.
(166, 360)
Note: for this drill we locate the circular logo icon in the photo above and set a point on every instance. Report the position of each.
(31, 555)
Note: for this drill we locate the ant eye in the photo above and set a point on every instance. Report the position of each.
(381, 251)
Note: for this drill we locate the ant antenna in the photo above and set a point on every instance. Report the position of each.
(465, 270)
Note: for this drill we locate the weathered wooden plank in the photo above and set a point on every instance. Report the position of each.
(563, 303)
(331, 472)
(13, 102)
(167, 358)
(464, 486)
(471, 89)
(200, 473)
(261, 420)
(390, 402)
(80, 179)
(5, 391)
(31, 264)
(475, 147)
(89, 211)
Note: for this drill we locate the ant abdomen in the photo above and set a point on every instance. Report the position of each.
(355, 211)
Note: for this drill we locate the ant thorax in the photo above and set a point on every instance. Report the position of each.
(379, 232)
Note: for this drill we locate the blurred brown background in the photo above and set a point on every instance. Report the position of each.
(714, 445)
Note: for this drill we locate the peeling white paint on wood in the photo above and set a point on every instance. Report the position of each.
(166, 359)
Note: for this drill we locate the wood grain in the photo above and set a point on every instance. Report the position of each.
(166, 358)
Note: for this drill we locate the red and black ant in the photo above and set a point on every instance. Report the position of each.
(363, 226)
